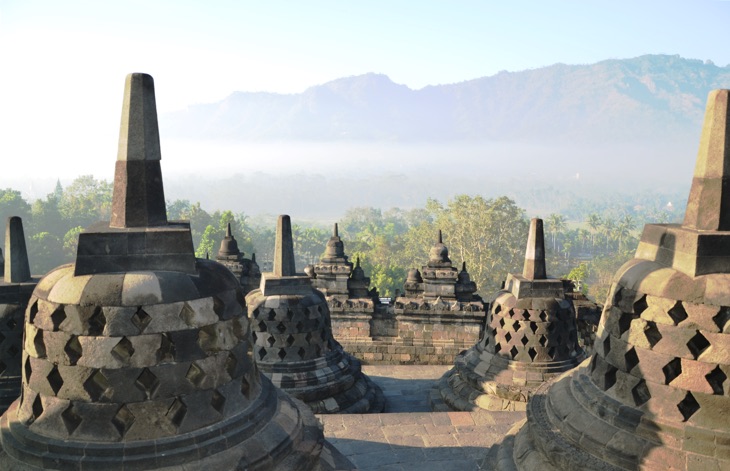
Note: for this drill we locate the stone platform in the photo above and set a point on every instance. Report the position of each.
(407, 437)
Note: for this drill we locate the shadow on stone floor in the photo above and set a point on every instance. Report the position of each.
(405, 395)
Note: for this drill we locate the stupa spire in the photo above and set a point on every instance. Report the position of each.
(284, 248)
(17, 269)
(534, 268)
(138, 199)
(708, 205)
(335, 232)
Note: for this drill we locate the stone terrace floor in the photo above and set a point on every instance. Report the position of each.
(408, 437)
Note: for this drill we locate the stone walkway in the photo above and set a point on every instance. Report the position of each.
(408, 437)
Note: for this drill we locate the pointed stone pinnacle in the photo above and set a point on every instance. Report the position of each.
(357, 262)
(17, 269)
(228, 230)
(139, 199)
(534, 268)
(439, 239)
(284, 248)
(335, 233)
(708, 206)
(253, 257)
(463, 266)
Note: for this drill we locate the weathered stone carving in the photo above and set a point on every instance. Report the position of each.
(246, 270)
(15, 290)
(138, 356)
(654, 395)
(293, 339)
(530, 337)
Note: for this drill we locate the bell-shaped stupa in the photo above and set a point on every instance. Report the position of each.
(15, 290)
(654, 394)
(293, 339)
(138, 355)
(246, 270)
(529, 338)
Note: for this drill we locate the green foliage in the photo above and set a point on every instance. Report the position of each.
(71, 242)
(13, 204)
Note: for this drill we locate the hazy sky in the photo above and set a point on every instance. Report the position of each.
(64, 62)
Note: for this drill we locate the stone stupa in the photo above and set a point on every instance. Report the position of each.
(529, 338)
(246, 270)
(15, 290)
(655, 393)
(293, 339)
(138, 355)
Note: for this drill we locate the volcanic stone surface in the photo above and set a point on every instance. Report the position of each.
(246, 270)
(138, 356)
(654, 395)
(293, 340)
(529, 338)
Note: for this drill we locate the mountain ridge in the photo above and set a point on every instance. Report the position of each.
(615, 100)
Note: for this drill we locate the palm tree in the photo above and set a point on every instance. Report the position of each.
(594, 222)
(556, 222)
(608, 229)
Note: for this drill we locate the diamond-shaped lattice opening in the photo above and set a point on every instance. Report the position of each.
(533, 327)
(271, 315)
(497, 308)
(147, 382)
(71, 420)
(282, 353)
(640, 393)
(508, 336)
(289, 314)
(624, 322)
(262, 353)
(543, 316)
(73, 349)
(262, 326)
(653, 336)
(688, 406)
(290, 340)
(551, 352)
(526, 315)
(37, 408)
(281, 327)
(254, 336)
(123, 420)
(301, 352)
(511, 312)
(40, 346)
(231, 365)
(176, 413)
(58, 316)
(271, 340)
(13, 351)
(319, 309)
(32, 312)
(141, 319)
(516, 326)
(543, 340)
(218, 401)
(195, 375)
(513, 352)
(524, 340)
(97, 322)
(501, 322)
(640, 306)
(27, 370)
(245, 387)
(2, 337)
(677, 313)
(672, 370)
(55, 380)
(96, 385)
(497, 348)
(219, 307)
(532, 352)
(606, 345)
(631, 358)
(609, 378)
(308, 337)
(123, 350)
(166, 353)
(697, 345)
(187, 314)
(715, 379)
(256, 312)
(721, 318)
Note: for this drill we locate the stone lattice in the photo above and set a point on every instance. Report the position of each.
(246, 270)
(654, 395)
(529, 338)
(293, 340)
(138, 356)
(15, 290)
